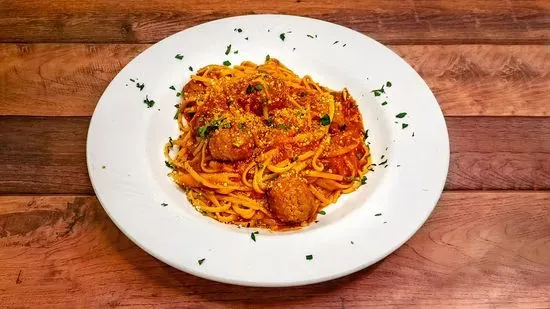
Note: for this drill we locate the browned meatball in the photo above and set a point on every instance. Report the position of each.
(291, 200)
(231, 144)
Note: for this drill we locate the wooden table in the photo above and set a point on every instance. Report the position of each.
(487, 244)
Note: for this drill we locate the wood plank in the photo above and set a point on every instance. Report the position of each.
(46, 155)
(477, 250)
(425, 21)
(468, 80)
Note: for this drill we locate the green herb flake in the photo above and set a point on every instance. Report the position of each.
(378, 92)
(309, 257)
(236, 52)
(267, 57)
(325, 120)
(310, 36)
(282, 127)
(179, 56)
(366, 134)
(282, 36)
(404, 125)
(363, 180)
(172, 87)
(388, 84)
(228, 49)
(260, 165)
(322, 212)
(202, 131)
(132, 80)
(201, 261)
(259, 87)
(241, 125)
(253, 235)
(168, 164)
(378, 215)
(140, 86)
(191, 68)
(164, 204)
(400, 115)
(226, 63)
(239, 30)
(103, 166)
(383, 162)
(384, 103)
(170, 141)
(335, 42)
(148, 102)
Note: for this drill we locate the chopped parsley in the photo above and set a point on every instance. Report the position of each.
(310, 36)
(201, 261)
(404, 125)
(190, 68)
(282, 127)
(246, 38)
(164, 204)
(178, 94)
(251, 89)
(241, 125)
(282, 36)
(400, 115)
(140, 86)
(103, 166)
(267, 57)
(236, 52)
(378, 92)
(172, 87)
(148, 102)
(384, 103)
(344, 45)
(388, 84)
(228, 49)
(309, 257)
(253, 235)
(179, 56)
(239, 30)
(335, 42)
(322, 212)
(366, 134)
(325, 120)
(378, 215)
(132, 80)
(226, 63)
(170, 141)
(363, 180)
(168, 164)
(383, 162)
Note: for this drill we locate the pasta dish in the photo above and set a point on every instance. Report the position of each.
(260, 146)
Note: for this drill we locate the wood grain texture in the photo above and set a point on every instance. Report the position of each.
(46, 155)
(404, 22)
(468, 80)
(477, 250)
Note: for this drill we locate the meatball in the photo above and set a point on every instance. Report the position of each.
(291, 200)
(231, 144)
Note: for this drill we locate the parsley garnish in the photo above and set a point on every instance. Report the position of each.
(335, 42)
(179, 56)
(404, 125)
(378, 92)
(132, 80)
(282, 127)
(322, 212)
(164, 204)
(363, 180)
(140, 86)
(378, 214)
(201, 261)
(325, 120)
(309, 257)
(310, 36)
(236, 52)
(170, 141)
(103, 166)
(190, 68)
(267, 57)
(246, 38)
(226, 63)
(172, 87)
(400, 115)
(228, 49)
(149, 103)
(241, 125)
(344, 45)
(168, 164)
(388, 84)
(239, 30)
(384, 103)
(253, 235)
(383, 162)
(250, 89)
(366, 134)
(282, 36)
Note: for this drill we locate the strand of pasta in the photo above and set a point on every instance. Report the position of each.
(318, 166)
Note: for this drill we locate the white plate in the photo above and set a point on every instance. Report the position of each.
(126, 164)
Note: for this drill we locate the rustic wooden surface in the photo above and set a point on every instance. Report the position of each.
(487, 244)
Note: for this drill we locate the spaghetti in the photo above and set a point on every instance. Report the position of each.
(261, 147)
